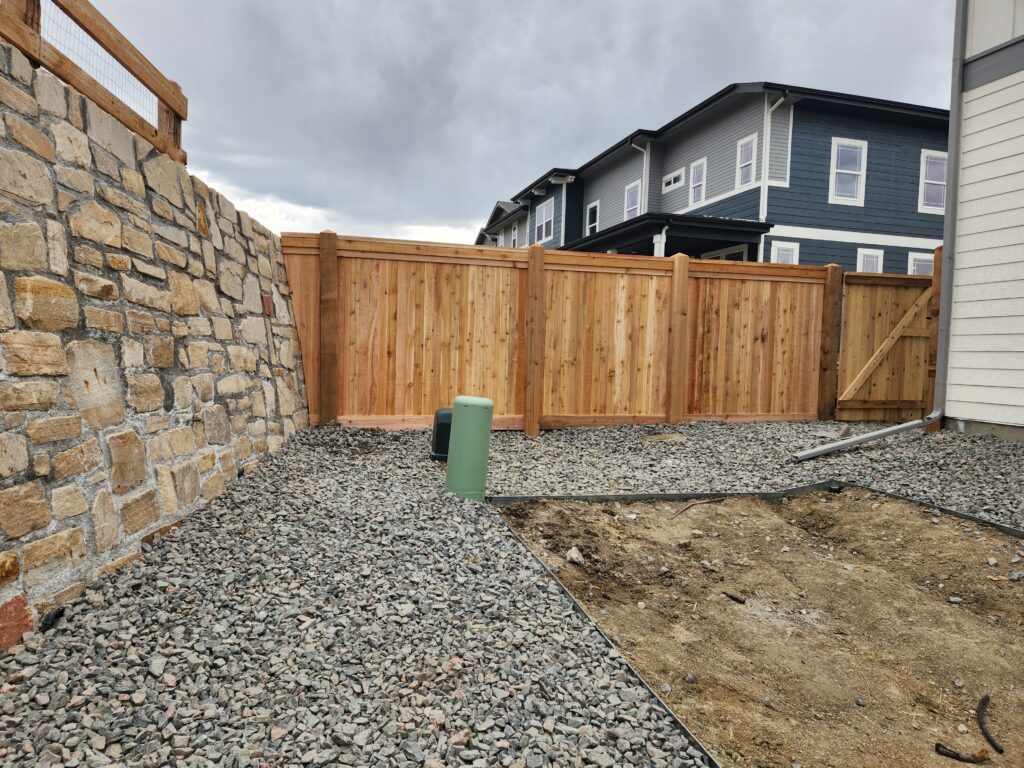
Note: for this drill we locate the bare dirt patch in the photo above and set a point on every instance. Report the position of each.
(846, 651)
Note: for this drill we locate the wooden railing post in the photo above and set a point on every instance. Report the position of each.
(329, 326)
(933, 339)
(168, 121)
(679, 333)
(535, 321)
(831, 320)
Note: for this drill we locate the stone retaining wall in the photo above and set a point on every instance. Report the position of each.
(148, 352)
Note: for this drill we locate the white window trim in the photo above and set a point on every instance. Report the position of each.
(776, 244)
(859, 200)
(703, 181)
(596, 205)
(862, 252)
(753, 162)
(921, 207)
(681, 173)
(721, 253)
(919, 256)
(542, 211)
(514, 239)
(501, 238)
(625, 199)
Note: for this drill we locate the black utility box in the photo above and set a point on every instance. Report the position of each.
(441, 435)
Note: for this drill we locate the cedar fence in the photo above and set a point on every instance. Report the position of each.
(20, 24)
(392, 330)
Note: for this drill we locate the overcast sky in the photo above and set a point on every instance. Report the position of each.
(409, 119)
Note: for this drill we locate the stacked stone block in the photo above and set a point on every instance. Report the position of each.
(148, 352)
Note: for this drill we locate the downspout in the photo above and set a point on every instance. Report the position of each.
(643, 175)
(660, 241)
(948, 259)
(766, 164)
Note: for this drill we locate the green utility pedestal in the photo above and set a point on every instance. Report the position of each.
(468, 447)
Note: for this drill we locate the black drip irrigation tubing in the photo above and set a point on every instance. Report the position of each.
(826, 486)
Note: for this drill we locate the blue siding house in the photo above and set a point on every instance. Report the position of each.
(757, 172)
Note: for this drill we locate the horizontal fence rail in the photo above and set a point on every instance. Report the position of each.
(21, 25)
(393, 330)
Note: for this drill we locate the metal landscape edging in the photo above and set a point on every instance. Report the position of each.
(825, 486)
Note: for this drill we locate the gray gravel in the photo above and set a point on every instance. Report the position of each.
(337, 607)
(978, 474)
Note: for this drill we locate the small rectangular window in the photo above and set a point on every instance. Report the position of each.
(593, 214)
(632, 209)
(501, 239)
(515, 236)
(697, 171)
(920, 263)
(673, 180)
(785, 253)
(746, 157)
(849, 172)
(932, 192)
(544, 221)
(870, 260)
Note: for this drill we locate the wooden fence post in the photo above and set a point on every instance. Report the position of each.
(831, 320)
(933, 339)
(329, 317)
(535, 321)
(678, 347)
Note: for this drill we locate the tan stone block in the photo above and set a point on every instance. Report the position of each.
(139, 322)
(184, 300)
(131, 353)
(215, 421)
(126, 202)
(31, 353)
(182, 392)
(110, 134)
(241, 358)
(157, 423)
(254, 330)
(47, 558)
(203, 385)
(13, 454)
(104, 521)
(198, 354)
(30, 137)
(200, 326)
(21, 245)
(23, 509)
(6, 313)
(17, 99)
(127, 461)
(14, 420)
(159, 351)
(213, 486)
(162, 208)
(95, 383)
(57, 247)
(145, 392)
(181, 441)
(50, 93)
(24, 177)
(137, 241)
(75, 178)
(150, 270)
(9, 567)
(133, 182)
(44, 304)
(96, 223)
(186, 482)
(165, 488)
(222, 329)
(162, 176)
(180, 329)
(89, 256)
(259, 445)
(227, 464)
(54, 428)
(231, 275)
(68, 501)
(74, 461)
(41, 464)
(139, 511)
(243, 448)
(233, 385)
(103, 320)
(138, 292)
(170, 255)
(72, 145)
(119, 262)
(64, 200)
(206, 460)
(251, 301)
(28, 395)
(97, 287)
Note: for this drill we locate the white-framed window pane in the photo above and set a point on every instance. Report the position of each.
(847, 185)
(746, 174)
(698, 193)
(921, 264)
(747, 153)
(786, 255)
(698, 174)
(935, 169)
(934, 195)
(848, 158)
(869, 263)
(515, 235)
(591, 219)
(632, 201)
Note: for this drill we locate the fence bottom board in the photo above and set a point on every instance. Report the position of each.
(564, 420)
(736, 418)
(417, 422)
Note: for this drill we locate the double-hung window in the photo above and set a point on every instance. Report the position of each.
(593, 217)
(515, 236)
(632, 209)
(673, 180)
(870, 259)
(746, 157)
(920, 263)
(785, 253)
(932, 192)
(849, 172)
(544, 221)
(697, 173)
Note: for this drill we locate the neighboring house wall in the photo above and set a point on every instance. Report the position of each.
(607, 183)
(818, 252)
(781, 135)
(714, 137)
(744, 205)
(889, 217)
(504, 235)
(986, 358)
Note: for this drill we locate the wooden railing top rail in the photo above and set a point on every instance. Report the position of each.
(20, 25)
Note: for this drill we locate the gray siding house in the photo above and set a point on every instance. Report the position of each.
(757, 172)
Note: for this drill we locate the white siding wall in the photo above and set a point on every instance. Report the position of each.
(986, 366)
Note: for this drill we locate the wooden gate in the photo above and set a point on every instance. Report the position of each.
(887, 349)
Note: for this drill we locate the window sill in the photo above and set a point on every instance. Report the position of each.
(845, 201)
